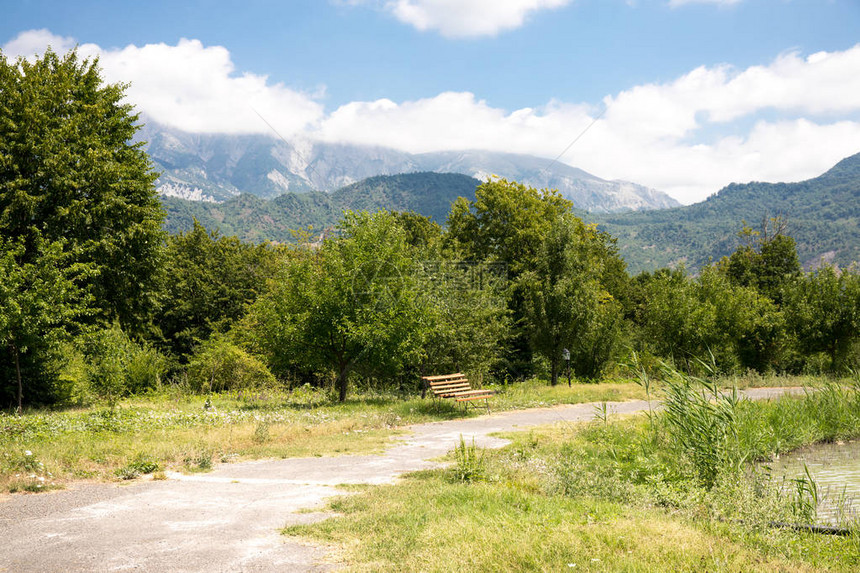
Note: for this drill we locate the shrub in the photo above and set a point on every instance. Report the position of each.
(144, 368)
(107, 352)
(141, 464)
(220, 365)
(107, 365)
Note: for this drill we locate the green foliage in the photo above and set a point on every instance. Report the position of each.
(823, 313)
(352, 305)
(507, 222)
(40, 304)
(691, 321)
(114, 366)
(221, 366)
(566, 302)
(767, 261)
(69, 172)
(211, 279)
(467, 317)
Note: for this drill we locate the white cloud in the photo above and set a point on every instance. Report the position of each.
(189, 86)
(788, 120)
(32, 42)
(452, 120)
(655, 134)
(468, 18)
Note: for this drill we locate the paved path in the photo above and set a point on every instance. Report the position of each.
(229, 519)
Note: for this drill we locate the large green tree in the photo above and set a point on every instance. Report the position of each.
(506, 225)
(567, 304)
(352, 305)
(70, 170)
(766, 259)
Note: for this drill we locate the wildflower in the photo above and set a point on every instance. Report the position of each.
(28, 453)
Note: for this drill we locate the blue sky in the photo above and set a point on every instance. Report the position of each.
(694, 93)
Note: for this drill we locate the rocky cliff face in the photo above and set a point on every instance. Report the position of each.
(214, 167)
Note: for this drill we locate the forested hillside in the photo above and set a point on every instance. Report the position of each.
(823, 216)
(253, 219)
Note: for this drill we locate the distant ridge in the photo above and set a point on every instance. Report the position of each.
(823, 216)
(254, 219)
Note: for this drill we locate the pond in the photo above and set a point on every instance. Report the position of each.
(835, 468)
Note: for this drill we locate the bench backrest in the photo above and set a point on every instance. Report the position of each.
(447, 383)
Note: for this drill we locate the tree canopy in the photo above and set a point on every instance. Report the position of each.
(69, 170)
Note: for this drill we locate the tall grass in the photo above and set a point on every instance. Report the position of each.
(701, 423)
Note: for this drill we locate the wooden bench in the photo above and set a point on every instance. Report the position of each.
(456, 387)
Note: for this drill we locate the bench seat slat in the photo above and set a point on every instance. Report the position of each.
(448, 382)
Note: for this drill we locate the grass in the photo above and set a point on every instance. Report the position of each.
(175, 430)
(432, 523)
(609, 495)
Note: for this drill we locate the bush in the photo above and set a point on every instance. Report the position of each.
(220, 365)
(107, 365)
(144, 368)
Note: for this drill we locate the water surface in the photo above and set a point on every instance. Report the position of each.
(835, 467)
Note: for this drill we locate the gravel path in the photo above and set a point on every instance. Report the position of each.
(229, 519)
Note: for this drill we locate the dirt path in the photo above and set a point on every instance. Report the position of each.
(229, 519)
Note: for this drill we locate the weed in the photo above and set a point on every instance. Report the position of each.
(601, 412)
(261, 432)
(805, 503)
(204, 460)
(469, 463)
(701, 421)
(140, 465)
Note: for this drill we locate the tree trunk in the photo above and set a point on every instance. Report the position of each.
(18, 373)
(343, 370)
(553, 380)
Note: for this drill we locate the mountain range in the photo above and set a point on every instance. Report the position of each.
(822, 214)
(218, 167)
